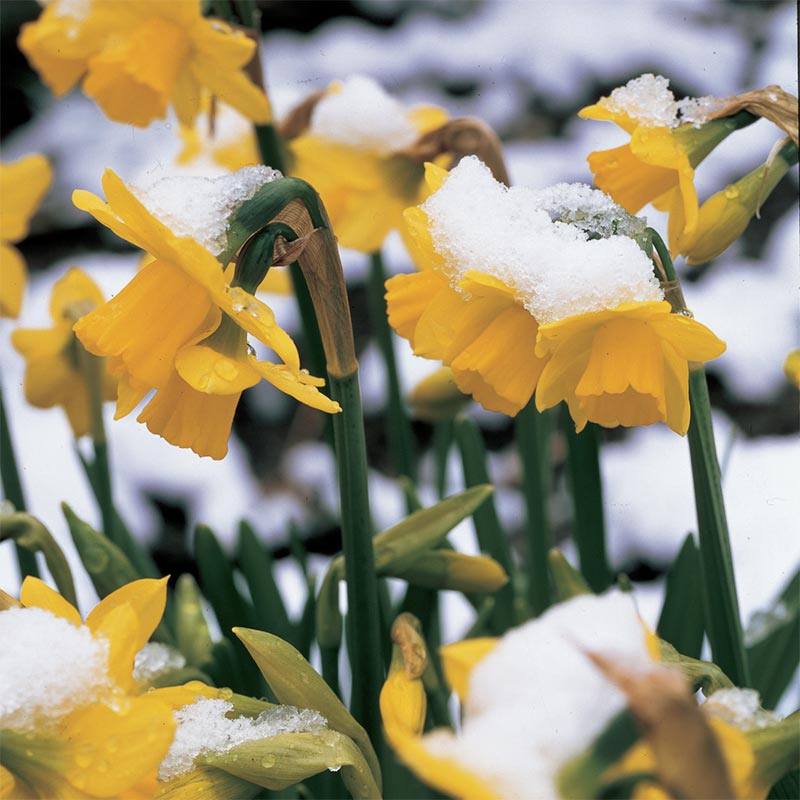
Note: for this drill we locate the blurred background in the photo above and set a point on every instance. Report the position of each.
(526, 67)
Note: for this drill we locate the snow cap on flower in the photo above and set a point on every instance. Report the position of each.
(537, 699)
(554, 268)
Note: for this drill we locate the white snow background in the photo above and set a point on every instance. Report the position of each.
(506, 50)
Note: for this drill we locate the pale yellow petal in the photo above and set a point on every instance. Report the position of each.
(35, 593)
(460, 658)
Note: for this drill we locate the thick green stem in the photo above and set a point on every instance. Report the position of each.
(723, 622)
(363, 626)
(720, 600)
(589, 530)
(398, 425)
(531, 431)
(12, 490)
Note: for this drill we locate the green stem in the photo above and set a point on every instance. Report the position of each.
(363, 628)
(491, 537)
(12, 489)
(531, 431)
(398, 425)
(442, 442)
(720, 600)
(583, 464)
(723, 622)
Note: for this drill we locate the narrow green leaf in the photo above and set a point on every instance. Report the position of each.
(230, 608)
(721, 603)
(108, 567)
(491, 537)
(303, 633)
(589, 531)
(532, 432)
(681, 622)
(787, 788)
(256, 564)
(191, 629)
(442, 443)
(774, 649)
(29, 532)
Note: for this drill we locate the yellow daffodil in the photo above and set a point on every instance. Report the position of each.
(625, 366)
(352, 153)
(179, 327)
(791, 368)
(55, 373)
(479, 329)
(138, 57)
(724, 216)
(23, 184)
(657, 164)
(71, 722)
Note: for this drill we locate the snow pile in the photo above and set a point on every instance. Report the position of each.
(537, 700)
(48, 668)
(360, 114)
(555, 269)
(203, 729)
(156, 659)
(740, 708)
(200, 208)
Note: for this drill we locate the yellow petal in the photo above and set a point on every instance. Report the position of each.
(13, 278)
(562, 372)
(41, 343)
(23, 185)
(234, 89)
(188, 418)
(206, 783)
(146, 597)
(407, 297)
(186, 98)
(296, 384)
(505, 359)
(130, 392)
(176, 697)
(600, 111)
(691, 339)
(435, 176)
(112, 752)
(427, 118)
(37, 594)
(460, 658)
(676, 390)
(146, 323)
(132, 81)
(418, 240)
(73, 291)
(403, 706)
(207, 370)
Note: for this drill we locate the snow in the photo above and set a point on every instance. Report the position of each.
(537, 700)
(48, 667)
(201, 208)
(740, 708)
(555, 270)
(203, 728)
(154, 660)
(358, 113)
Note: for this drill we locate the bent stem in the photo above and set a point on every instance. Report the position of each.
(723, 621)
(12, 489)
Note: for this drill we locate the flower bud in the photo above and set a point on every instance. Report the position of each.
(437, 398)
(448, 569)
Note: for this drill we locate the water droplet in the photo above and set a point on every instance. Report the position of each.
(234, 756)
(772, 96)
(225, 369)
(112, 745)
(83, 760)
(304, 678)
(225, 693)
(78, 781)
(684, 312)
(251, 350)
(268, 761)
(202, 382)
(335, 768)
(304, 372)
(612, 163)
(237, 306)
(731, 193)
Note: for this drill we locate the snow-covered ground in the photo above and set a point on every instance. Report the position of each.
(524, 63)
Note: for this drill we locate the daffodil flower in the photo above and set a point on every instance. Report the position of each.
(625, 366)
(353, 154)
(73, 723)
(668, 140)
(180, 328)
(53, 371)
(545, 307)
(23, 184)
(139, 57)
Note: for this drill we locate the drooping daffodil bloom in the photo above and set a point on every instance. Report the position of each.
(71, 717)
(56, 372)
(547, 291)
(179, 327)
(546, 713)
(353, 153)
(138, 58)
(23, 184)
(669, 139)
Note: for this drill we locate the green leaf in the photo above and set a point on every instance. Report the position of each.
(230, 608)
(257, 565)
(28, 532)
(703, 675)
(774, 650)
(191, 628)
(681, 622)
(567, 581)
(787, 788)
